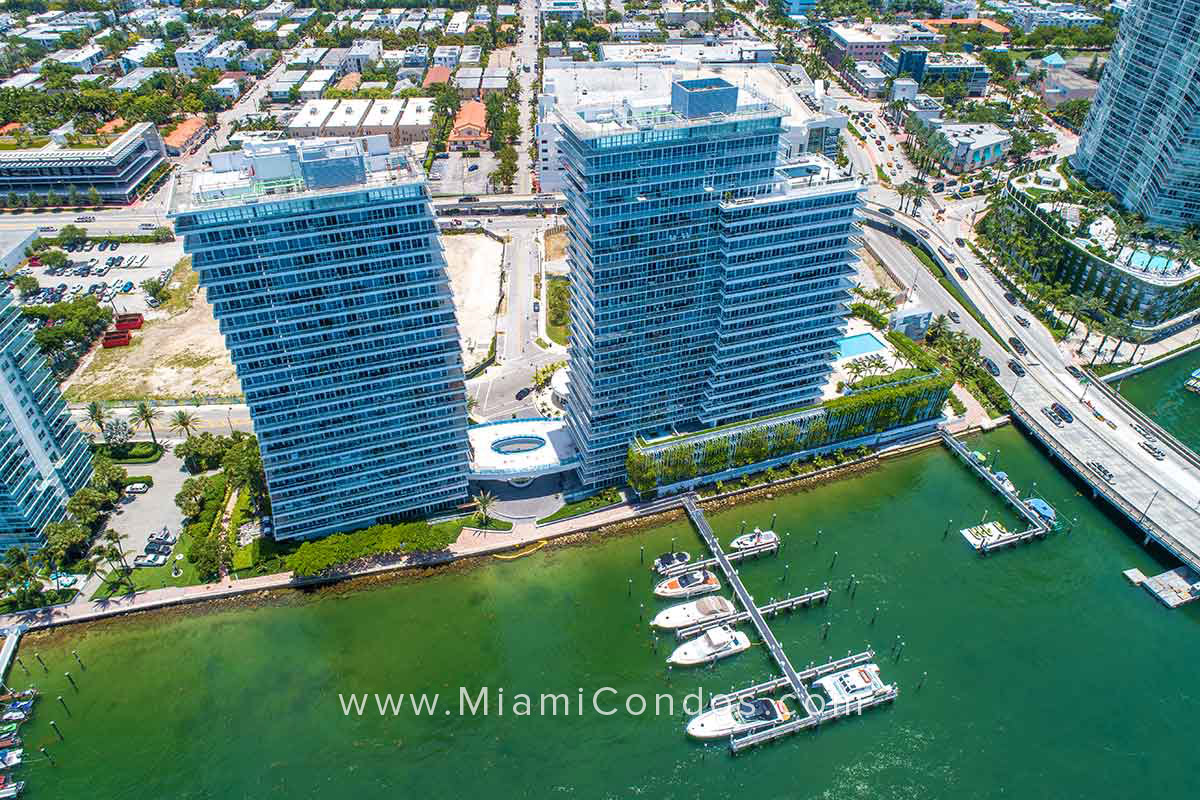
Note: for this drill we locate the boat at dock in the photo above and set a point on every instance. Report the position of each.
(754, 539)
(9, 728)
(10, 788)
(1006, 482)
(24, 694)
(742, 716)
(692, 612)
(1040, 507)
(1193, 382)
(20, 705)
(9, 742)
(14, 716)
(668, 560)
(688, 584)
(714, 644)
(850, 685)
(10, 758)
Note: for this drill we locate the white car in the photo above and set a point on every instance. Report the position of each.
(138, 488)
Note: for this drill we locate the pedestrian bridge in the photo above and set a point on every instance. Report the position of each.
(520, 450)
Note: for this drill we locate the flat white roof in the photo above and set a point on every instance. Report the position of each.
(349, 113)
(384, 114)
(417, 112)
(313, 114)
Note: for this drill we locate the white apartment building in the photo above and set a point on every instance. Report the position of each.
(190, 57)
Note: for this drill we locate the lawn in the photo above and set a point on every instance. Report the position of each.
(605, 498)
(154, 577)
(558, 323)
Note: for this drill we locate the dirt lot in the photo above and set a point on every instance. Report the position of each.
(473, 263)
(556, 244)
(177, 355)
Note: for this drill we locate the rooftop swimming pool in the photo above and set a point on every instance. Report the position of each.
(858, 345)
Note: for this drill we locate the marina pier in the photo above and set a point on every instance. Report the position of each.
(791, 679)
(772, 608)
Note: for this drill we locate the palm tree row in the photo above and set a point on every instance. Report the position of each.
(145, 415)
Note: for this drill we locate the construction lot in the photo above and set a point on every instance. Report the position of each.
(474, 264)
(179, 354)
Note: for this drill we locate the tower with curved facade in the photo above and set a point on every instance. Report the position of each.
(1141, 139)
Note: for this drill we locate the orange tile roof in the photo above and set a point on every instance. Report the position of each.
(989, 24)
(436, 74)
(10, 127)
(183, 132)
(471, 112)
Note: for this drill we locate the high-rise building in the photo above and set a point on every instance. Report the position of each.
(709, 281)
(1140, 140)
(44, 459)
(322, 263)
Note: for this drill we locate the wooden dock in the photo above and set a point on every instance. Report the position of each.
(787, 604)
(12, 637)
(708, 563)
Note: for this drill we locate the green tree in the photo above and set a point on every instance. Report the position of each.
(484, 501)
(184, 422)
(243, 466)
(640, 471)
(144, 415)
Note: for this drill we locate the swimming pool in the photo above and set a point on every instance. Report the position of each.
(858, 345)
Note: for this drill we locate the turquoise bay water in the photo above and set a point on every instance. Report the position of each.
(1048, 675)
(1160, 394)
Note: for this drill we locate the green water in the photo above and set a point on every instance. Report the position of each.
(1160, 394)
(1048, 675)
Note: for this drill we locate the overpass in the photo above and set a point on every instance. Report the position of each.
(1160, 499)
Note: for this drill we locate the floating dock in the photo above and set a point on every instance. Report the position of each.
(772, 608)
(1173, 588)
(791, 679)
(708, 563)
(809, 674)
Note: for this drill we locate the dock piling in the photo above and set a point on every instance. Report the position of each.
(921, 683)
(46, 753)
(64, 705)
(38, 656)
(77, 660)
(72, 681)
(54, 725)
(773, 516)
(642, 554)
(899, 651)
(629, 593)
(21, 664)
(831, 563)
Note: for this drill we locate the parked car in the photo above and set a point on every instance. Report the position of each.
(1061, 410)
(103, 245)
(89, 246)
(161, 548)
(128, 287)
(138, 488)
(113, 245)
(954, 316)
(1016, 367)
(521, 395)
(472, 167)
(991, 367)
(165, 536)
(1018, 345)
(887, 212)
(149, 560)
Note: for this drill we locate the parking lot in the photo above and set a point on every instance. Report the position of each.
(113, 274)
(139, 515)
(456, 175)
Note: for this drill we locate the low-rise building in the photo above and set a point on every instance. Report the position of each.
(415, 122)
(136, 56)
(953, 9)
(933, 67)
(471, 55)
(678, 13)
(310, 120)
(280, 9)
(469, 131)
(258, 60)
(467, 81)
(307, 58)
(190, 57)
(134, 79)
(383, 119)
(635, 31)
(1061, 85)
(436, 75)
(447, 55)
(187, 135)
(347, 118)
(226, 55)
(416, 56)
(229, 88)
(868, 79)
(564, 11)
(363, 53)
(459, 23)
(334, 60)
(22, 80)
(280, 89)
(970, 147)
(83, 58)
(871, 41)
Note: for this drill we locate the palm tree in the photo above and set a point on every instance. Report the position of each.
(1123, 331)
(97, 415)
(1139, 337)
(484, 502)
(918, 192)
(1107, 326)
(184, 422)
(145, 414)
(904, 191)
(938, 328)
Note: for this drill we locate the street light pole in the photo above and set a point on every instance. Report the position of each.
(1147, 511)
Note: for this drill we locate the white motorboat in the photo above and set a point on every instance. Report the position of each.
(754, 539)
(684, 614)
(688, 584)
(10, 758)
(740, 717)
(668, 560)
(720, 642)
(849, 685)
(11, 789)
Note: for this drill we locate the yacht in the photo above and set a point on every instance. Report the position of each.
(734, 718)
(668, 560)
(754, 539)
(691, 612)
(688, 584)
(10, 758)
(856, 683)
(714, 643)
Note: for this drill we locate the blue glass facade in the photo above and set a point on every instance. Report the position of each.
(44, 459)
(708, 285)
(336, 310)
(1141, 139)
